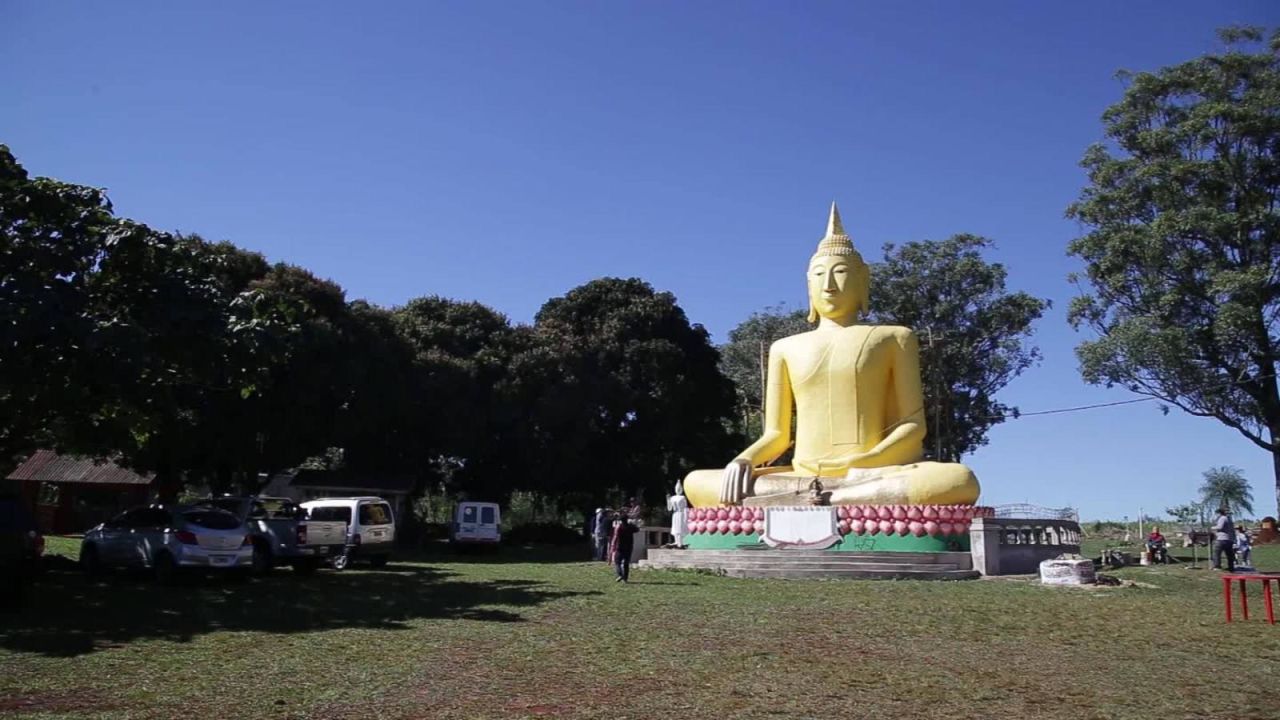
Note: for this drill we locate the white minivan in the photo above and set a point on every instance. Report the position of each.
(371, 527)
(475, 523)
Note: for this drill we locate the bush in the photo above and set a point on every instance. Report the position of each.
(543, 534)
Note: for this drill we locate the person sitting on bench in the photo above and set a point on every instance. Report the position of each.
(1157, 546)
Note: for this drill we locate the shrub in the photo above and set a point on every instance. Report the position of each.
(543, 534)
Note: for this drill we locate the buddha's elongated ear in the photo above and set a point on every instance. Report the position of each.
(813, 314)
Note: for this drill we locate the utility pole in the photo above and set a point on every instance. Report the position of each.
(937, 397)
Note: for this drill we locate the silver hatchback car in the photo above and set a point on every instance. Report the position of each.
(165, 539)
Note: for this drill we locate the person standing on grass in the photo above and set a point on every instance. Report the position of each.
(1244, 548)
(600, 526)
(1224, 540)
(624, 544)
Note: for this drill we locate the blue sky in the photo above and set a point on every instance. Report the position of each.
(506, 152)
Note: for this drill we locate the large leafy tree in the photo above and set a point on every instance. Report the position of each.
(465, 430)
(1226, 487)
(1182, 249)
(974, 334)
(633, 397)
(52, 237)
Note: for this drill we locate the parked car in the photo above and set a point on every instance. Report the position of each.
(21, 550)
(165, 539)
(280, 533)
(476, 523)
(370, 527)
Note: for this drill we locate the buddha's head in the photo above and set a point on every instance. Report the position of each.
(839, 281)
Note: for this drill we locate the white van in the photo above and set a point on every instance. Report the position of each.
(371, 527)
(476, 523)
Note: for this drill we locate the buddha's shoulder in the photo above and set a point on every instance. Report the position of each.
(897, 333)
(874, 334)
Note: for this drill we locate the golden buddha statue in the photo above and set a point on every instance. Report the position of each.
(860, 416)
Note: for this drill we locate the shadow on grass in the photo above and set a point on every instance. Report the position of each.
(69, 614)
(506, 553)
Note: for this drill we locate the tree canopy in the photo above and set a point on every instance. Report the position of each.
(207, 364)
(1226, 487)
(974, 334)
(1182, 242)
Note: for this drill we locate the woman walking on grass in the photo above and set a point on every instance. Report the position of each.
(624, 543)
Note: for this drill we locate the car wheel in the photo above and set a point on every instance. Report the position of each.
(90, 563)
(379, 560)
(166, 569)
(261, 559)
(341, 562)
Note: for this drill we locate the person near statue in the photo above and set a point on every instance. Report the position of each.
(600, 527)
(624, 543)
(1224, 540)
(859, 407)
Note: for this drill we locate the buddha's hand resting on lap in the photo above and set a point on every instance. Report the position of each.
(736, 483)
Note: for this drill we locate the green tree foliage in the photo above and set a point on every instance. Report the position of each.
(634, 396)
(52, 235)
(1226, 486)
(744, 359)
(203, 362)
(467, 429)
(1187, 514)
(974, 334)
(1182, 251)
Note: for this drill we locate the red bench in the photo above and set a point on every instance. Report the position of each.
(1243, 581)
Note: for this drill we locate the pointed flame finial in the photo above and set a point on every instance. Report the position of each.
(836, 241)
(834, 227)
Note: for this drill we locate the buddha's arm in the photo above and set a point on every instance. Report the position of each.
(904, 423)
(905, 432)
(776, 437)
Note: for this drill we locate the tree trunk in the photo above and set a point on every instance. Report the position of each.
(1275, 462)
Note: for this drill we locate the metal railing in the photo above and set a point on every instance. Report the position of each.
(1023, 511)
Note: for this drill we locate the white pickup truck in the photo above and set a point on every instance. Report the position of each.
(281, 534)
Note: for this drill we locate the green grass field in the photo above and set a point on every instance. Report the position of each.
(534, 634)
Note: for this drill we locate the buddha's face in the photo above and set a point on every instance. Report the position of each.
(836, 287)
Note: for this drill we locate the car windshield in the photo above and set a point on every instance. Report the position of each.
(330, 513)
(379, 514)
(211, 519)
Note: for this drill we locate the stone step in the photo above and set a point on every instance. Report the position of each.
(814, 564)
(962, 559)
(799, 574)
(806, 565)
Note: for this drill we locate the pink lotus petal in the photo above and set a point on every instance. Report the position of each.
(900, 527)
(883, 512)
(886, 527)
(945, 528)
(931, 528)
(843, 525)
(916, 527)
(914, 513)
(899, 513)
(857, 527)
